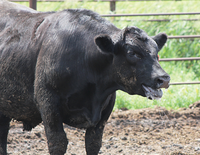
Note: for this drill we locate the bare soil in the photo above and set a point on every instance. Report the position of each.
(128, 132)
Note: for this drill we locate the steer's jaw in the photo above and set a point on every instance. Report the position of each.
(151, 93)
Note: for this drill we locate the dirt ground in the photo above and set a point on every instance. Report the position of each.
(128, 132)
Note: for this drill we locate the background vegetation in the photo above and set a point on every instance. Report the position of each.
(176, 96)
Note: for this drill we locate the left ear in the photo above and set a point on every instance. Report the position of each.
(160, 39)
(105, 44)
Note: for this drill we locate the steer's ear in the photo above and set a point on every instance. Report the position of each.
(105, 44)
(160, 39)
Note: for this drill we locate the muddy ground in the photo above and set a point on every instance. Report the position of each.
(128, 132)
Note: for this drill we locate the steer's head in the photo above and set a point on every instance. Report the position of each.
(135, 66)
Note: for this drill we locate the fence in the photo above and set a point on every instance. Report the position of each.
(33, 4)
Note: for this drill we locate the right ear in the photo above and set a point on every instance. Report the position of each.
(160, 39)
(105, 44)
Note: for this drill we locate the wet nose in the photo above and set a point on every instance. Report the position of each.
(163, 82)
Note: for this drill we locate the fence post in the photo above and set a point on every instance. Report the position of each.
(112, 6)
(33, 4)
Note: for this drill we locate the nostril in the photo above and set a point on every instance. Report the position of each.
(163, 82)
(159, 82)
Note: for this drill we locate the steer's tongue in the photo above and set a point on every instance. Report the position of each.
(152, 93)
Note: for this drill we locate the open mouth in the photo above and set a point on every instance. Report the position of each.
(151, 93)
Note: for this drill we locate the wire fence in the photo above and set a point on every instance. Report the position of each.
(151, 14)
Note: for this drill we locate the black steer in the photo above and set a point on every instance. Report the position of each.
(64, 67)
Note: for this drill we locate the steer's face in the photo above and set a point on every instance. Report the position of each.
(135, 62)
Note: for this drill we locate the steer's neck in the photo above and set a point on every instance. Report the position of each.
(105, 84)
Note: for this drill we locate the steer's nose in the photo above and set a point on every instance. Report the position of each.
(163, 82)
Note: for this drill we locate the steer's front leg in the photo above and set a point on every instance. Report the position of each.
(48, 104)
(93, 136)
(93, 140)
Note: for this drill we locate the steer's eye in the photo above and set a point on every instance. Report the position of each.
(133, 54)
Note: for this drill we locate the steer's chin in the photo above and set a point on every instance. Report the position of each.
(153, 94)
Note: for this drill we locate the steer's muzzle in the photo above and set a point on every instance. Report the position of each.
(163, 82)
(156, 93)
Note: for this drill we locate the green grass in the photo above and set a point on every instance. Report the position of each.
(176, 96)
